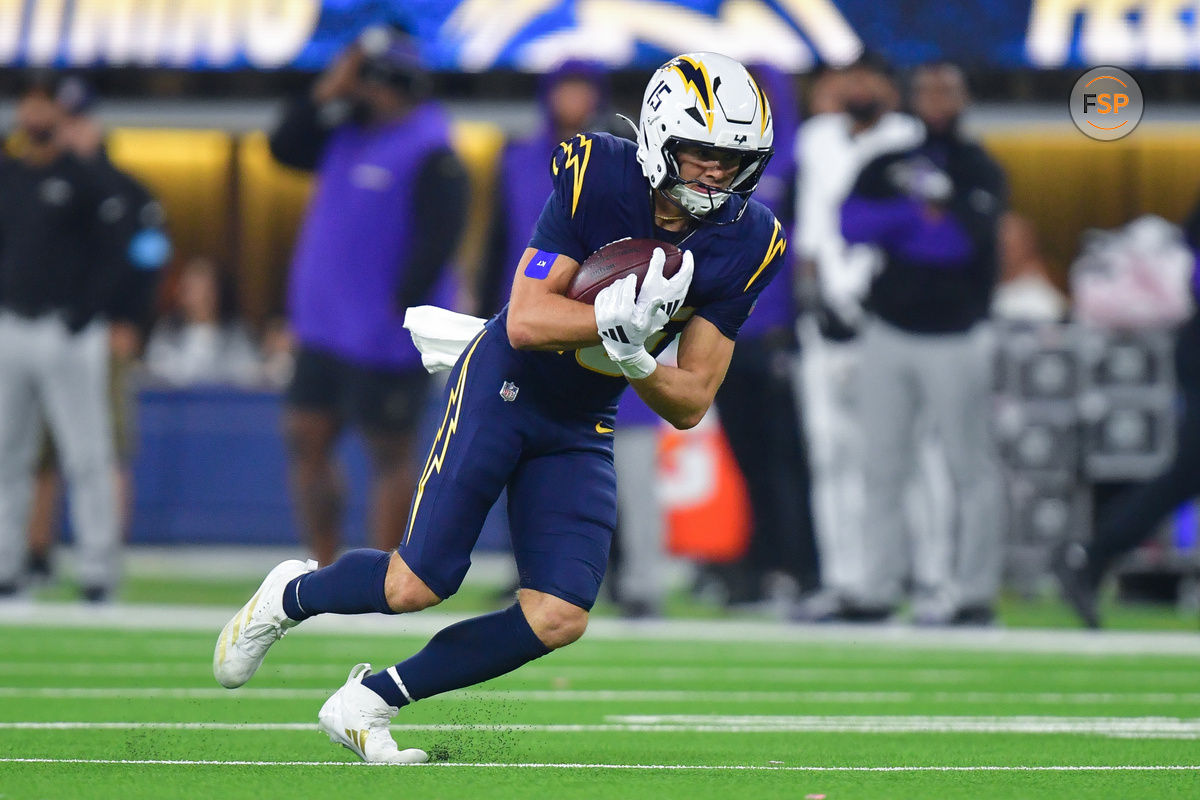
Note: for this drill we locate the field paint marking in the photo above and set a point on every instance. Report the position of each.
(618, 695)
(533, 695)
(1120, 727)
(122, 616)
(1149, 727)
(804, 675)
(705, 767)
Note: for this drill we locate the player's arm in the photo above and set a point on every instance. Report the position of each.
(440, 197)
(308, 122)
(682, 394)
(540, 317)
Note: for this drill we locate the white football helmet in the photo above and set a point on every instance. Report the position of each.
(707, 100)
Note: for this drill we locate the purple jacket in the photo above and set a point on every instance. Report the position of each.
(524, 177)
(776, 307)
(352, 247)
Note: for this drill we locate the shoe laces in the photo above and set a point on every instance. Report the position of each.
(376, 713)
(264, 631)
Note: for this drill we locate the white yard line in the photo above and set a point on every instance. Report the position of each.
(804, 676)
(619, 695)
(190, 618)
(1120, 727)
(651, 767)
(531, 695)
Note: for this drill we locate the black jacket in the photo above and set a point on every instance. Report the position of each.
(924, 298)
(61, 239)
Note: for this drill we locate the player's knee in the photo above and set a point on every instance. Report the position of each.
(555, 622)
(409, 594)
(561, 627)
(404, 590)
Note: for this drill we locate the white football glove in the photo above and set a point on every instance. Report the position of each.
(624, 324)
(669, 292)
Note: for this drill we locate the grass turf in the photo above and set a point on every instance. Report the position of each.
(770, 707)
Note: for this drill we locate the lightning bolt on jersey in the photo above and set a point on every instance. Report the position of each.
(600, 196)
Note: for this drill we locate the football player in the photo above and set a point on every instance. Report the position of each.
(530, 403)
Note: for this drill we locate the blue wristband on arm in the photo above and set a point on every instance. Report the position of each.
(539, 266)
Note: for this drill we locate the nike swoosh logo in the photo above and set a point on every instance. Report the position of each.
(602, 428)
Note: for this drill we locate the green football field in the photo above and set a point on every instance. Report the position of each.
(694, 709)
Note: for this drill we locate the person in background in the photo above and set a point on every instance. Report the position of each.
(1132, 517)
(1026, 292)
(854, 119)
(826, 91)
(934, 210)
(572, 98)
(757, 402)
(147, 249)
(62, 257)
(278, 352)
(388, 210)
(201, 340)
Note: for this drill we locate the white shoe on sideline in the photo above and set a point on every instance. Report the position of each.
(357, 719)
(260, 623)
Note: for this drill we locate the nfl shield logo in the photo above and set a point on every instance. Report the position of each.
(509, 391)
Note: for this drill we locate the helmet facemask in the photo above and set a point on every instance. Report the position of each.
(698, 199)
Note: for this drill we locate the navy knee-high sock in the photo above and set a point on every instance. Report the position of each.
(464, 654)
(351, 585)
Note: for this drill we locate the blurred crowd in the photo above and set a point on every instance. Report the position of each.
(857, 405)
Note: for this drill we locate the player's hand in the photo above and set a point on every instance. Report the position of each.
(624, 325)
(623, 321)
(667, 293)
(341, 77)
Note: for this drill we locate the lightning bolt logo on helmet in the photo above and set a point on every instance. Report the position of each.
(695, 77)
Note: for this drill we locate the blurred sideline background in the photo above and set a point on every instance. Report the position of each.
(188, 90)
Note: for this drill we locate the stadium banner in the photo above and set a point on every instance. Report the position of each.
(535, 35)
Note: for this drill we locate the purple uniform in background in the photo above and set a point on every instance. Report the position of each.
(523, 182)
(940, 268)
(524, 185)
(355, 239)
(776, 307)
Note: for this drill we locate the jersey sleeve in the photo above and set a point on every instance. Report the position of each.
(564, 218)
(729, 313)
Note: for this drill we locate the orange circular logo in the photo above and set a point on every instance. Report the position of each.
(1106, 103)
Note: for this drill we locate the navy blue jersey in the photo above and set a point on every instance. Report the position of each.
(600, 196)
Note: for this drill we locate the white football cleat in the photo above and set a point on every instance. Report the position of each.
(260, 623)
(357, 719)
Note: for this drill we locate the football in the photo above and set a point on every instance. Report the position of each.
(615, 261)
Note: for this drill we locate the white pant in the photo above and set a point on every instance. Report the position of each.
(643, 545)
(45, 371)
(829, 391)
(835, 450)
(908, 381)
